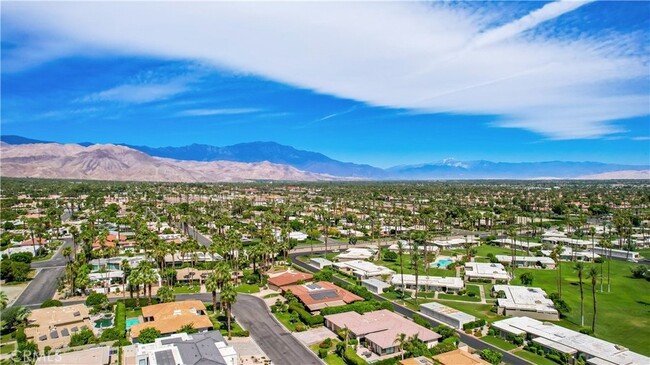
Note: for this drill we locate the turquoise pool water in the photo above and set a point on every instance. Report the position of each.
(103, 323)
(131, 321)
(442, 264)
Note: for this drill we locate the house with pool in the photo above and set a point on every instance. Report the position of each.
(169, 318)
(449, 284)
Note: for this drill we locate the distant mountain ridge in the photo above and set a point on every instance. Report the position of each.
(318, 163)
(120, 163)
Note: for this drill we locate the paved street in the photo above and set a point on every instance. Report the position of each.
(41, 288)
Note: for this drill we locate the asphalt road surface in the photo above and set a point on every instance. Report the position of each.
(276, 342)
(41, 288)
(473, 342)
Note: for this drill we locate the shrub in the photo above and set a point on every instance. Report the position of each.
(83, 337)
(491, 356)
(390, 256)
(300, 327)
(96, 299)
(110, 334)
(359, 307)
(327, 343)
(25, 257)
(474, 324)
(352, 358)
(133, 302)
(418, 319)
(148, 335)
(20, 335)
(361, 291)
(305, 316)
(51, 303)
(322, 353)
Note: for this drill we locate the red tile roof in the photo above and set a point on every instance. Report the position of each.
(290, 278)
(314, 295)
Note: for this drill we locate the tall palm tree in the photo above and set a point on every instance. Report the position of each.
(606, 243)
(228, 297)
(212, 284)
(580, 268)
(400, 252)
(223, 274)
(400, 340)
(593, 275)
(67, 253)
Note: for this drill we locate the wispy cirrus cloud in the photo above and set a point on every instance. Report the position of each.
(210, 112)
(423, 57)
(139, 93)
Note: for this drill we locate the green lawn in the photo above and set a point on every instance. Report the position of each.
(248, 288)
(498, 342)
(464, 298)
(272, 295)
(8, 348)
(186, 289)
(133, 313)
(334, 359)
(285, 319)
(483, 250)
(477, 310)
(534, 358)
(645, 252)
(622, 315)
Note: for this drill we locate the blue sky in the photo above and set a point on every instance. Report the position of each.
(376, 83)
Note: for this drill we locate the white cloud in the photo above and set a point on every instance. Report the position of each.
(137, 94)
(417, 56)
(208, 112)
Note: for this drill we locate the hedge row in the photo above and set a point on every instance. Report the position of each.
(133, 302)
(359, 307)
(474, 324)
(305, 316)
(120, 319)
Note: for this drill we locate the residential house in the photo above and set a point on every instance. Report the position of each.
(54, 326)
(170, 317)
(320, 295)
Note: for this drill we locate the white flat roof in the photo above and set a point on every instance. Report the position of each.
(450, 281)
(575, 340)
(442, 309)
(523, 298)
(364, 267)
(321, 260)
(543, 259)
(376, 283)
(486, 270)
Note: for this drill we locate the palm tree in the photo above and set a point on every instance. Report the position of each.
(400, 340)
(222, 271)
(228, 297)
(4, 300)
(606, 243)
(580, 268)
(593, 275)
(67, 253)
(400, 252)
(212, 284)
(134, 282)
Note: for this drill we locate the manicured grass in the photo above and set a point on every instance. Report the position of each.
(272, 295)
(498, 342)
(622, 315)
(133, 313)
(7, 348)
(645, 252)
(483, 250)
(186, 289)
(333, 359)
(474, 289)
(534, 358)
(248, 288)
(477, 310)
(285, 319)
(464, 298)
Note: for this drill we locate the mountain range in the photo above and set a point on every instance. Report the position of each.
(266, 160)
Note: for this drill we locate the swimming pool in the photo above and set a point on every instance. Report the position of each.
(441, 263)
(131, 321)
(103, 323)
